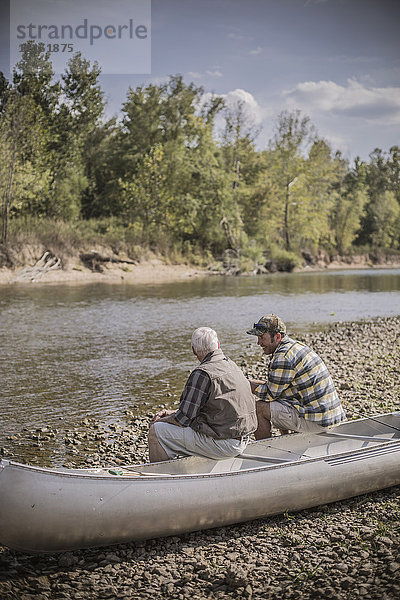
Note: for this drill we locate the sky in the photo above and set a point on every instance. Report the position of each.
(337, 61)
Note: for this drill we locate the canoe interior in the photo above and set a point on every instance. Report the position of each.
(279, 450)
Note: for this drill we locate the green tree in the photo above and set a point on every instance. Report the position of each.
(393, 171)
(79, 117)
(311, 199)
(350, 196)
(210, 194)
(5, 89)
(23, 175)
(102, 154)
(82, 96)
(382, 175)
(262, 216)
(170, 126)
(142, 124)
(294, 134)
(386, 222)
(157, 114)
(146, 198)
(242, 167)
(33, 77)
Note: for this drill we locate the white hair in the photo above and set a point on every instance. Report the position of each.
(204, 340)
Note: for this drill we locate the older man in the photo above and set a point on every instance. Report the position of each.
(216, 412)
(299, 393)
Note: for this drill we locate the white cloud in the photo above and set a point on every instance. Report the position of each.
(372, 104)
(195, 75)
(253, 113)
(354, 118)
(235, 36)
(258, 50)
(250, 105)
(215, 73)
(338, 140)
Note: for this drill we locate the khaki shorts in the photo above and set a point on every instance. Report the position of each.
(284, 416)
(185, 441)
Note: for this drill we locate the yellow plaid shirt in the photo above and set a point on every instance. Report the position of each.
(297, 376)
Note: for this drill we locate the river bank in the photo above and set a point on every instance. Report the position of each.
(346, 550)
(102, 266)
(149, 272)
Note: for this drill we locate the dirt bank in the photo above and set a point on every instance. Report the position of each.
(346, 550)
(34, 265)
(153, 271)
(323, 260)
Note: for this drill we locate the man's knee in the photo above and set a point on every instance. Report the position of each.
(152, 436)
(263, 410)
(156, 451)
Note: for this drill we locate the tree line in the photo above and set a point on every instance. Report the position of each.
(172, 179)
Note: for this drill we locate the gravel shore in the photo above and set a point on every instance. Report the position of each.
(345, 550)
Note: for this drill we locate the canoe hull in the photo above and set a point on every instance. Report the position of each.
(44, 510)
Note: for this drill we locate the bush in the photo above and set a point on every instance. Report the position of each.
(284, 260)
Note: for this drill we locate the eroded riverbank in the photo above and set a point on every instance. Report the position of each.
(103, 266)
(345, 550)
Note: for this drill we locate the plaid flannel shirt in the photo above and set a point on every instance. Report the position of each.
(297, 376)
(194, 395)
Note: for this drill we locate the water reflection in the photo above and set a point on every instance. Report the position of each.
(97, 350)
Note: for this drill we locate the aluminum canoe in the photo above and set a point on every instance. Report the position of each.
(52, 510)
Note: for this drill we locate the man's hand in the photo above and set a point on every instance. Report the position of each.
(255, 383)
(162, 414)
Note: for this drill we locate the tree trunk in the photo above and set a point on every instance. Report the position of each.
(287, 235)
(7, 197)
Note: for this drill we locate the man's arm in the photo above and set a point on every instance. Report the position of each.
(280, 377)
(254, 383)
(195, 394)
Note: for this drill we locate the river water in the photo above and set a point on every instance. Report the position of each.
(68, 352)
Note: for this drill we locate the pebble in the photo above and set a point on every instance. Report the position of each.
(344, 550)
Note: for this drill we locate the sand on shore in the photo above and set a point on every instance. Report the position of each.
(153, 271)
(146, 272)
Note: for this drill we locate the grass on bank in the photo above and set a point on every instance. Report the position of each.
(67, 240)
(30, 237)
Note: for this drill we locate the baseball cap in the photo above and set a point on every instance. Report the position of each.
(268, 323)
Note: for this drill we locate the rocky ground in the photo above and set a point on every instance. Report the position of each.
(346, 550)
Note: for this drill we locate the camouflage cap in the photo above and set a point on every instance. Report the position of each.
(268, 324)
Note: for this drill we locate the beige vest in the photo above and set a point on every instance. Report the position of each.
(230, 410)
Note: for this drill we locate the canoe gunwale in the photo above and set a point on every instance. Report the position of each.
(86, 474)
